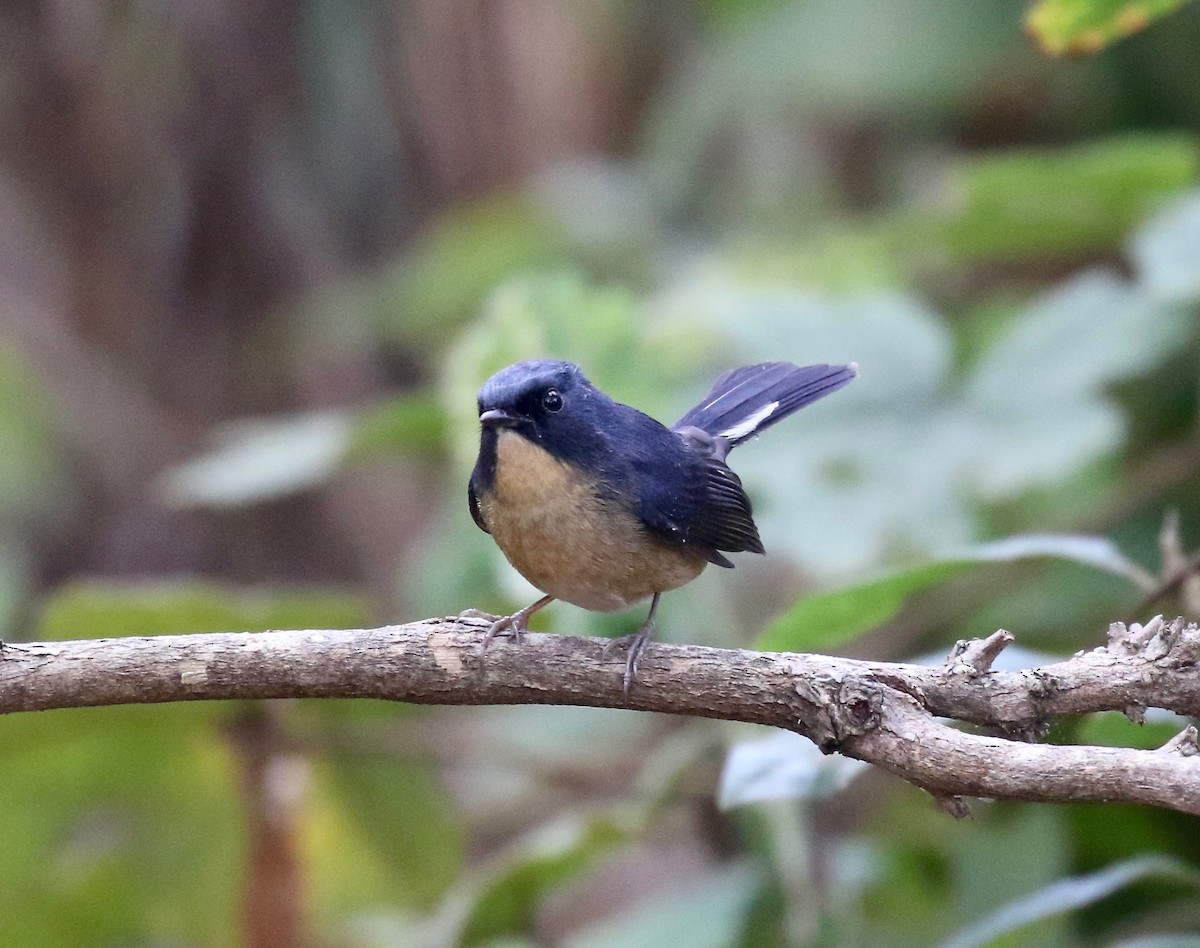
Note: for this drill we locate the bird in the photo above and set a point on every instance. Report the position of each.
(601, 506)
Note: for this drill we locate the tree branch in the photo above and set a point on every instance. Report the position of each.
(883, 713)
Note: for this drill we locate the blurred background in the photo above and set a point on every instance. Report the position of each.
(255, 261)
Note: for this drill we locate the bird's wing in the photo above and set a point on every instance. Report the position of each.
(711, 514)
(723, 518)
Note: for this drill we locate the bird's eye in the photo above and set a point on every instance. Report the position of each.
(552, 401)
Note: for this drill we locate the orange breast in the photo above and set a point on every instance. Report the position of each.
(554, 529)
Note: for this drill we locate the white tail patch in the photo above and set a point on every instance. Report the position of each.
(749, 425)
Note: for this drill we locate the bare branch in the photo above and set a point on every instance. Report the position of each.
(886, 714)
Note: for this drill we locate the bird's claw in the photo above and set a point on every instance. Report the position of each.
(497, 625)
(514, 625)
(636, 643)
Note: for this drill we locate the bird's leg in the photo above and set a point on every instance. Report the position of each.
(515, 624)
(636, 643)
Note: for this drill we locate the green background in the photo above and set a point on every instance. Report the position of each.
(255, 262)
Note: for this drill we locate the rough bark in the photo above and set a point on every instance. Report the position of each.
(887, 714)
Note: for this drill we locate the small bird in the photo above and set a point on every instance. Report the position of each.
(601, 506)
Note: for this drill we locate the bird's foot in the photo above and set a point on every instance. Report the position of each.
(498, 625)
(636, 644)
(513, 626)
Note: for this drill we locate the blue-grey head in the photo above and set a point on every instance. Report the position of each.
(551, 404)
(530, 397)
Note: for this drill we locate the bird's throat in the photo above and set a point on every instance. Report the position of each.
(530, 482)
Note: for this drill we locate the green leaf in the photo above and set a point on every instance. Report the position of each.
(828, 620)
(1078, 27)
(841, 257)
(107, 609)
(1071, 893)
(936, 876)
(457, 262)
(1066, 201)
(559, 852)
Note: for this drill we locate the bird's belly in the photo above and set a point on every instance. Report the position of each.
(554, 529)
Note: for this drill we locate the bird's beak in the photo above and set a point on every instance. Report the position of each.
(497, 417)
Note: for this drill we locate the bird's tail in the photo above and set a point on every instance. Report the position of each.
(747, 400)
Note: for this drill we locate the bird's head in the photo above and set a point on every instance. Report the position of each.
(538, 400)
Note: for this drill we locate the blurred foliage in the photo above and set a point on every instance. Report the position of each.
(1087, 26)
(251, 290)
(1068, 894)
(827, 621)
(129, 823)
(508, 904)
(1011, 207)
(31, 475)
(394, 836)
(708, 914)
(443, 275)
(781, 767)
(105, 609)
(1070, 202)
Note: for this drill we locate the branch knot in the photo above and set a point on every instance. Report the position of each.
(843, 710)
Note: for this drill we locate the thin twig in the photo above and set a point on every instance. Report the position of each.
(1177, 567)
